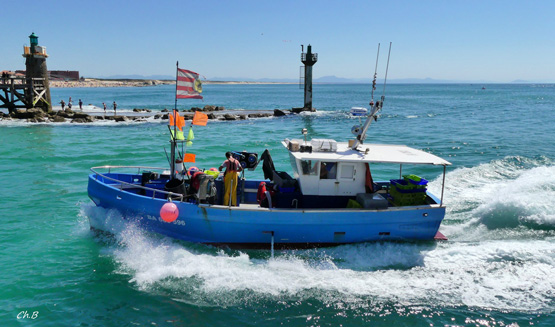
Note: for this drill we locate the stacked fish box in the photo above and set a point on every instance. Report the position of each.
(409, 191)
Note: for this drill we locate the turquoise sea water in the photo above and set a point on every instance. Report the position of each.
(496, 269)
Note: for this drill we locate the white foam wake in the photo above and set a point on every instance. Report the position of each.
(495, 274)
(505, 194)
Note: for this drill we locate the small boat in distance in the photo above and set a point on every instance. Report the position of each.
(329, 198)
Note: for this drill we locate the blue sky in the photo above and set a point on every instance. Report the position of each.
(498, 41)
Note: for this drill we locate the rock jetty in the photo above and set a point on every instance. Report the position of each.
(36, 115)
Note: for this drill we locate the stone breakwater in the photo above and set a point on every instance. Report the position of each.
(36, 115)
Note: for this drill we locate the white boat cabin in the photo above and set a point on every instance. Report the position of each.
(330, 168)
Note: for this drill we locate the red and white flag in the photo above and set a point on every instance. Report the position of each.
(188, 86)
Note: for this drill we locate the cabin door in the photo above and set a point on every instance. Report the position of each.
(329, 184)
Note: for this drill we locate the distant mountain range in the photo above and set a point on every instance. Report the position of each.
(329, 79)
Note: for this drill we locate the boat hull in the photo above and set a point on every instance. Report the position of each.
(251, 226)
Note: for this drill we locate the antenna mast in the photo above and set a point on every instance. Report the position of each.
(374, 107)
(375, 77)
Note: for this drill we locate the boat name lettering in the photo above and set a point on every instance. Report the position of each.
(159, 219)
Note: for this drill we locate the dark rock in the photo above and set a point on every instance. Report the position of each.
(279, 113)
(299, 110)
(79, 120)
(165, 110)
(80, 115)
(193, 109)
(36, 120)
(141, 110)
(229, 117)
(188, 116)
(20, 114)
(69, 111)
(209, 108)
(28, 113)
(211, 116)
(110, 118)
(121, 118)
(242, 117)
(158, 116)
(63, 114)
(219, 108)
(57, 119)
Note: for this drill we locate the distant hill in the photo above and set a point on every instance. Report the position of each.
(331, 79)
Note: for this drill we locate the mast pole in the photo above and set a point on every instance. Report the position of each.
(174, 141)
(373, 108)
(386, 70)
(375, 77)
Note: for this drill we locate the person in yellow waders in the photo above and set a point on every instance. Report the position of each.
(232, 167)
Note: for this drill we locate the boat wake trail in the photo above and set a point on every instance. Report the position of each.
(508, 198)
(495, 274)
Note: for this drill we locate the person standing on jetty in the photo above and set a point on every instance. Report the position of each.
(104, 104)
(80, 105)
(115, 106)
(63, 104)
(232, 167)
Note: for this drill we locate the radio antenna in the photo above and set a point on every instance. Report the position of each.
(374, 108)
(375, 77)
(385, 80)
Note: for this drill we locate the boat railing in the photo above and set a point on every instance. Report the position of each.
(132, 185)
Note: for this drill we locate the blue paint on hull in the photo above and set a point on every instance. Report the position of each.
(216, 224)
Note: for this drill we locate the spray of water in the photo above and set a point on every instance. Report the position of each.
(501, 255)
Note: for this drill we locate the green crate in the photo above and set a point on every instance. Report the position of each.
(407, 199)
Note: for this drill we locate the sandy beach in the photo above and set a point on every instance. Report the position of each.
(94, 82)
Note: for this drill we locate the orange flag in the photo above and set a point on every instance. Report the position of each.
(189, 157)
(179, 121)
(200, 119)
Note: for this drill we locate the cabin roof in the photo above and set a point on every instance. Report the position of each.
(379, 153)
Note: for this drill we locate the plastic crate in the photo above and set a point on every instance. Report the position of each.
(404, 193)
(415, 181)
(401, 184)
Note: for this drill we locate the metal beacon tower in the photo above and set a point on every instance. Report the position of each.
(308, 59)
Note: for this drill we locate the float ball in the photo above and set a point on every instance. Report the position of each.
(169, 212)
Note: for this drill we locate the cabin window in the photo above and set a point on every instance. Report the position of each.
(328, 170)
(347, 171)
(309, 167)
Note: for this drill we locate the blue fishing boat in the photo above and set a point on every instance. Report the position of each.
(310, 208)
(329, 198)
